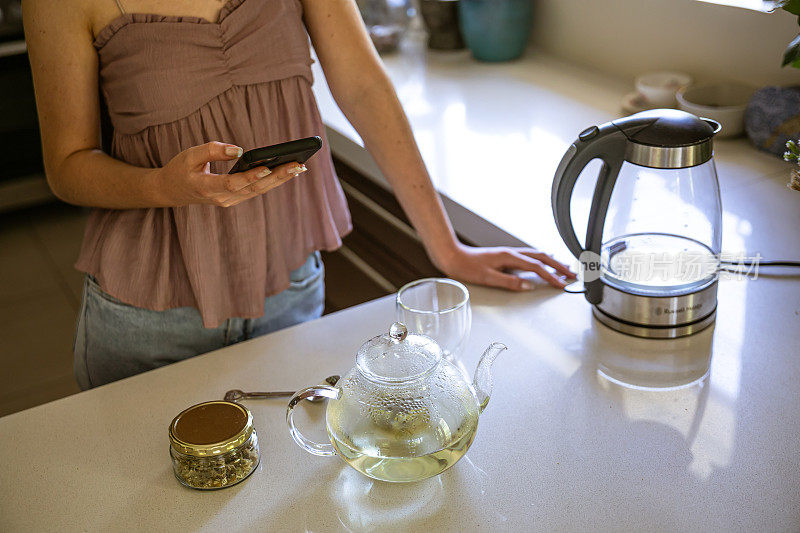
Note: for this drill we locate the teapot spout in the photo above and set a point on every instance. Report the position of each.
(483, 374)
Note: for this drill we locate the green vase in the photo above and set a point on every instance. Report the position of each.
(496, 30)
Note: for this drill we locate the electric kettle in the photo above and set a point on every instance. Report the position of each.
(651, 255)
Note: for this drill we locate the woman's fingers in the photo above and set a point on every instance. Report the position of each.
(198, 156)
(523, 262)
(548, 277)
(260, 187)
(253, 183)
(281, 174)
(233, 183)
(491, 266)
(549, 261)
(495, 278)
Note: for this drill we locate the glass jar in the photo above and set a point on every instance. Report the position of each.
(213, 445)
(386, 21)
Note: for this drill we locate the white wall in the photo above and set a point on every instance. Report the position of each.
(628, 37)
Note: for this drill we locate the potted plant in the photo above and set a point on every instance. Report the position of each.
(792, 154)
(791, 56)
(772, 117)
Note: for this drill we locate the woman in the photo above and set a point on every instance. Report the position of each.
(182, 258)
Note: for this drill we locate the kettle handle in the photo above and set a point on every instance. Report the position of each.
(607, 143)
(320, 391)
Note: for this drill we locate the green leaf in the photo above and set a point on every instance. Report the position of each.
(792, 6)
(792, 52)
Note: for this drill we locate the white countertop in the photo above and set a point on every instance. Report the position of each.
(558, 447)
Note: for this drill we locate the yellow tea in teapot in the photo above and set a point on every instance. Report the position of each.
(402, 446)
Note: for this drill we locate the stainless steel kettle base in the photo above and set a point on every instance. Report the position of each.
(654, 332)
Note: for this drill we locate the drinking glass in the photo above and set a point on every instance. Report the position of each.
(438, 308)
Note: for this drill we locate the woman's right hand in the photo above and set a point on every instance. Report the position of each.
(187, 178)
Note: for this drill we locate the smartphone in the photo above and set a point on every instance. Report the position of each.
(278, 154)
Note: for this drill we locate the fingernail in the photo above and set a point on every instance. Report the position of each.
(526, 285)
(233, 151)
(263, 173)
(297, 169)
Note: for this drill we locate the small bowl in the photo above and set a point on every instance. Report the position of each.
(659, 88)
(634, 102)
(723, 102)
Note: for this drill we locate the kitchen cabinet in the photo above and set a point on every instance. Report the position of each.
(22, 180)
(380, 255)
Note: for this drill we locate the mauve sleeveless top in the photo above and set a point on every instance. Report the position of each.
(175, 82)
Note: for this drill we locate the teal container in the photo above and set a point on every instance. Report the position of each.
(496, 30)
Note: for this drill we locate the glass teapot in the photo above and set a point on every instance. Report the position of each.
(403, 413)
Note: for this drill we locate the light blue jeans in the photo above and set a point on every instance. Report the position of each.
(114, 340)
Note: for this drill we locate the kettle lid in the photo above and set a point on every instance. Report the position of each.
(667, 138)
(667, 128)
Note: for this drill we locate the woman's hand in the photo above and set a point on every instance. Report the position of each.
(490, 266)
(187, 178)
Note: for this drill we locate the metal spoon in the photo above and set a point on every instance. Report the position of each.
(236, 394)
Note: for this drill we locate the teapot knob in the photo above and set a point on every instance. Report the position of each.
(398, 331)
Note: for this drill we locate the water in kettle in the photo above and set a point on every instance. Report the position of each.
(658, 264)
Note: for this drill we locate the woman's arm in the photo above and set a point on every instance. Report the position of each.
(65, 65)
(364, 93)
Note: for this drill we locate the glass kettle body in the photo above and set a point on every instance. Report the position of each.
(663, 230)
(403, 413)
(651, 255)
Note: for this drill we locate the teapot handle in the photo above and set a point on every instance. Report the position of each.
(320, 391)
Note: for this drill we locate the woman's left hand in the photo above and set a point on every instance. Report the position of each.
(490, 266)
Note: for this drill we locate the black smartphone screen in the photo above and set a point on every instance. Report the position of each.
(278, 154)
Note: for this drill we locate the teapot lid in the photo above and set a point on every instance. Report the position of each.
(398, 355)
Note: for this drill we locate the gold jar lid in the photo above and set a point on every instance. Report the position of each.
(211, 428)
